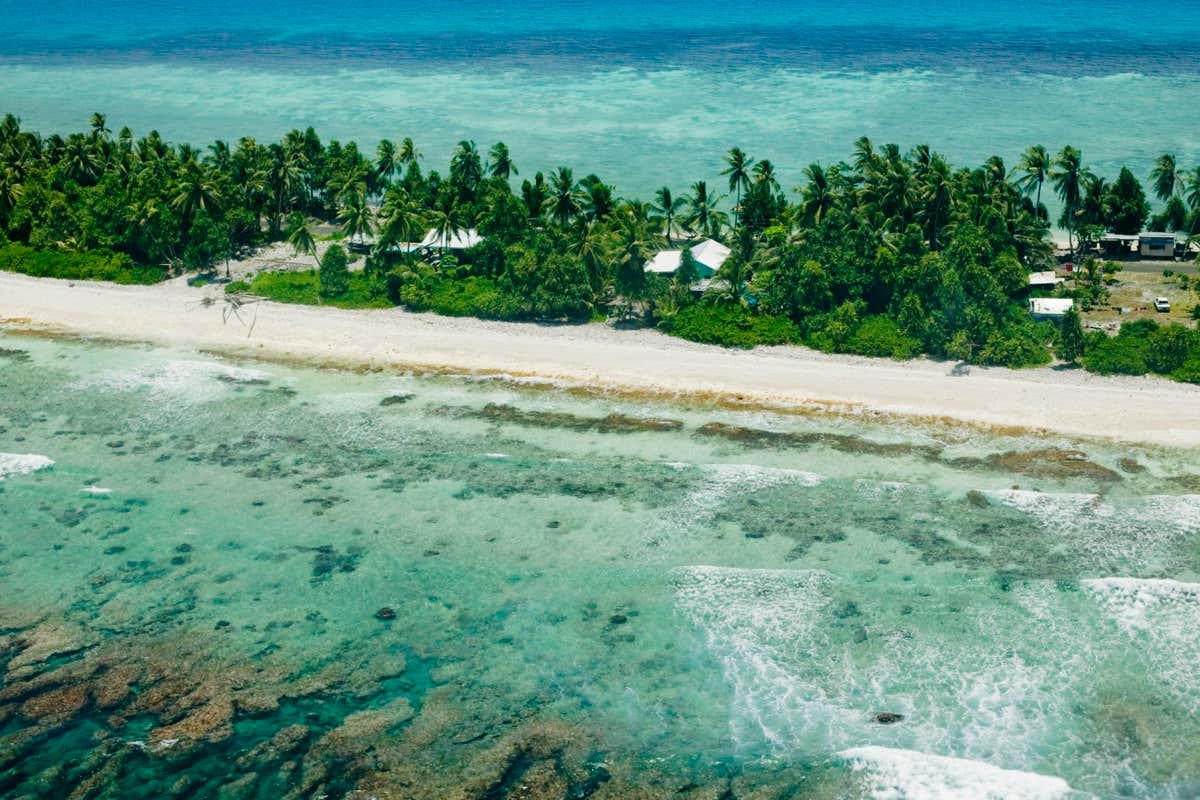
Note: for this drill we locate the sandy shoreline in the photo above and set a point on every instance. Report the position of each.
(1146, 410)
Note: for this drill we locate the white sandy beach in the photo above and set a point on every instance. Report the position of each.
(1147, 410)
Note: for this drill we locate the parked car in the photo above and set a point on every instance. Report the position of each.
(1162, 304)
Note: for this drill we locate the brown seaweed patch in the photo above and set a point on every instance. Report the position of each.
(1052, 463)
(56, 704)
(1044, 463)
(210, 722)
(611, 423)
(841, 442)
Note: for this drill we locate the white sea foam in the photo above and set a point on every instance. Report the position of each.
(22, 464)
(758, 621)
(1137, 534)
(177, 380)
(882, 489)
(96, 490)
(894, 774)
(1131, 601)
(1162, 618)
(800, 680)
(720, 482)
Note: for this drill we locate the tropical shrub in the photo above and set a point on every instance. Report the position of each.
(95, 265)
(729, 325)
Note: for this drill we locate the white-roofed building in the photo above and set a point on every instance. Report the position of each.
(1044, 280)
(1050, 307)
(708, 254)
(459, 240)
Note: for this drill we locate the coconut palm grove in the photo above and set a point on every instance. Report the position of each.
(888, 253)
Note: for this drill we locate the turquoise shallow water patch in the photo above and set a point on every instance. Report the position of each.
(489, 587)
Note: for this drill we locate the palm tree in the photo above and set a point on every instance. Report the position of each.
(702, 210)
(466, 168)
(738, 172)
(564, 203)
(197, 191)
(938, 197)
(597, 201)
(669, 207)
(299, 237)
(591, 247)
(500, 163)
(1035, 165)
(764, 172)
(409, 154)
(1193, 194)
(535, 196)
(402, 220)
(386, 161)
(1068, 175)
(99, 124)
(444, 220)
(635, 238)
(865, 159)
(81, 161)
(816, 198)
(1166, 177)
(356, 217)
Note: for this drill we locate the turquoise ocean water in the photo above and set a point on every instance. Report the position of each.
(244, 580)
(645, 94)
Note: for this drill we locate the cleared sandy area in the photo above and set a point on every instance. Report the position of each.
(1148, 410)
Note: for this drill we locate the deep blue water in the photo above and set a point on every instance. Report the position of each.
(1072, 38)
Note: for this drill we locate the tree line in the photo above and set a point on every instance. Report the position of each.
(889, 252)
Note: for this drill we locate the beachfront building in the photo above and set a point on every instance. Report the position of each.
(459, 240)
(709, 255)
(433, 242)
(1053, 308)
(1156, 245)
(1117, 245)
(1044, 280)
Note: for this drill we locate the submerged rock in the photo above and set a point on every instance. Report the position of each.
(1130, 465)
(14, 355)
(396, 400)
(1052, 463)
(56, 704)
(612, 423)
(977, 499)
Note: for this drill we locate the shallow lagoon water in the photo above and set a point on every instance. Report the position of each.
(644, 95)
(415, 587)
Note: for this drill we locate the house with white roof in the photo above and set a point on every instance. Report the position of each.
(1044, 280)
(1053, 308)
(459, 240)
(709, 255)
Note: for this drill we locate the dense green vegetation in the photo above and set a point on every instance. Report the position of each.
(96, 265)
(305, 288)
(1144, 346)
(890, 253)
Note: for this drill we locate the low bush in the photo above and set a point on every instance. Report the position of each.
(304, 288)
(1015, 346)
(730, 326)
(1123, 354)
(467, 297)
(95, 265)
(881, 336)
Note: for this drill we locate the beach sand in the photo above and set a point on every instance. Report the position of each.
(597, 358)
